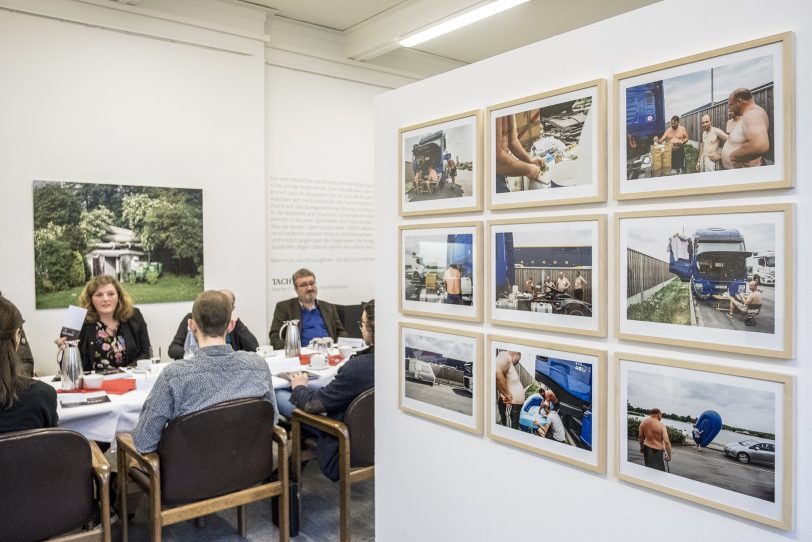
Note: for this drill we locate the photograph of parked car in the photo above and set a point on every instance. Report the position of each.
(714, 435)
(441, 270)
(441, 375)
(548, 399)
(547, 149)
(718, 124)
(441, 165)
(548, 273)
(711, 278)
(149, 238)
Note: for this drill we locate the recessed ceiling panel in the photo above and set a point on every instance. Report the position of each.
(334, 14)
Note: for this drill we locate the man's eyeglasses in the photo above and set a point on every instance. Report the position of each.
(361, 324)
(306, 284)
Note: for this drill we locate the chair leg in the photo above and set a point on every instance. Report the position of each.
(242, 523)
(121, 505)
(156, 524)
(344, 495)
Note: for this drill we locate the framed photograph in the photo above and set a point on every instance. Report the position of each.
(715, 122)
(548, 149)
(548, 399)
(549, 274)
(440, 165)
(441, 270)
(441, 375)
(717, 436)
(717, 278)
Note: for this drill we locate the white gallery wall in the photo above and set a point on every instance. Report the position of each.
(102, 93)
(320, 165)
(434, 483)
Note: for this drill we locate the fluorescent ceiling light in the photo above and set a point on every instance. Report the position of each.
(461, 20)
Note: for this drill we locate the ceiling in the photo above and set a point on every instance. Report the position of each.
(368, 30)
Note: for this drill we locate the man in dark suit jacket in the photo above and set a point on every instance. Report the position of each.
(316, 318)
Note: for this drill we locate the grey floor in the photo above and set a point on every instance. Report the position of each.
(319, 522)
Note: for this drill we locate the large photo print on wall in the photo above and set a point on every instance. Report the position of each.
(548, 399)
(441, 270)
(717, 278)
(440, 165)
(441, 375)
(548, 149)
(148, 238)
(721, 437)
(549, 274)
(715, 122)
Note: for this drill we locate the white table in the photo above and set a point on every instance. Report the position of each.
(102, 421)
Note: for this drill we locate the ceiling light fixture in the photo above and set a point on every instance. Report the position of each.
(459, 21)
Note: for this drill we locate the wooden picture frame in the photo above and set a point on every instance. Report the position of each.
(422, 262)
(684, 300)
(713, 469)
(576, 376)
(572, 246)
(574, 168)
(425, 149)
(691, 87)
(441, 373)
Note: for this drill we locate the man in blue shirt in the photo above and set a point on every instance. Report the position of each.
(316, 318)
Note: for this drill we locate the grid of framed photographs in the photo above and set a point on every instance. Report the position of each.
(716, 276)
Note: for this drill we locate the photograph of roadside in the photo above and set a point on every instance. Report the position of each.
(441, 165)
(716, 277)
(547, 399)
(440, 270)
(441, 375)
(544, 148)
(694, 428)
(721, 123)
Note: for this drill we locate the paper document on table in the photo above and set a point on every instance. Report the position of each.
(74, 319)
(69, 400)
(310, 376)
(357, 344)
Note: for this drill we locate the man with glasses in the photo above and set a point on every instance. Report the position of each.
(316, 318)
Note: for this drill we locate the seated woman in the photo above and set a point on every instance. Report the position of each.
(114, 332)
(24, 403)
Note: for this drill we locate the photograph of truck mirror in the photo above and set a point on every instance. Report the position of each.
(717, 436)
(548, 274)
(715, 122)
(440, 268)
(718, 278)
(441, 375)
(548, 148)
(440, 165)
(548, 399)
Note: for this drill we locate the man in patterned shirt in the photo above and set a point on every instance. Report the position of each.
(215, 374)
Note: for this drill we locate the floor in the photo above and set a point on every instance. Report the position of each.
(318, 524)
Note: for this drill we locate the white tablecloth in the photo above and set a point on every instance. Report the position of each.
(101, 422)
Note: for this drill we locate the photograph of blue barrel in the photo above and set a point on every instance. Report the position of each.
(709, 424)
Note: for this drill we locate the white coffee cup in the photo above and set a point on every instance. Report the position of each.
(144, 364)
(92, 381)
(265, 350)
(346, 351)
(318, 361)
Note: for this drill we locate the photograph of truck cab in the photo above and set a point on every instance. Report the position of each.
(713, 260)
(761, 267)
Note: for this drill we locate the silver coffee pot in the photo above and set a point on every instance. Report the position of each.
(70, 364)
(293, 341)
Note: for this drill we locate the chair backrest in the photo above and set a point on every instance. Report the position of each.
(350, 315)
(360, 421)
(218, 450)
(46, 483)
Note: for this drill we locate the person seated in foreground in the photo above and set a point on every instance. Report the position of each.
(114, 333)
(214, 375)
(355, 377)
(240, 338)
(24, 403)
(317, 319)
(744, 303)
(24, 355)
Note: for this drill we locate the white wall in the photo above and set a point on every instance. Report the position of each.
(320, 161)
(470, 488)
(114, 105)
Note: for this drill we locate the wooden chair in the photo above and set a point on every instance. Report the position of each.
(356, 449)
(47, 486)
(217, 458)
